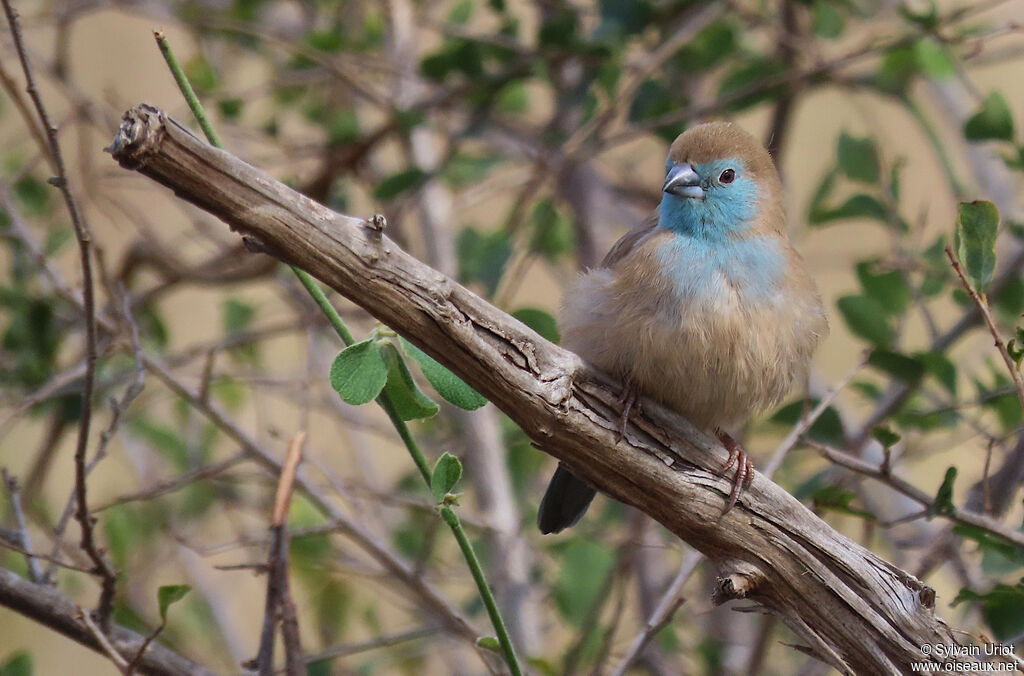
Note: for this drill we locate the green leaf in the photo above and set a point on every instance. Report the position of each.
(230, 108)
(168, 594)
(552, 234)
(867, 319)
(827, 429)
(994, 121)
(482, 256)
(513, 98)
(343, 127)
(749, 76)
(858, 158)
(885, 436)
(1002, 607)
(907, 369)
(201, 74)
(447, 472)
(1016, 346)
(20, 664)
(409, 401)
(991, 543)
(899, 66)
(943, 503)
(826, 20)
(889, 288)
(489, 643)
(860, 205)
(652, 99)
(976, 242)
(1009, 302)
(838, 499)
(464, 169)
(359, 372)
(940, 367)
(540, 321)
(237, 315)
(396, 184)
(34, 194)
(448, 385)
(461, 13)
(933, 59)
(584, 566)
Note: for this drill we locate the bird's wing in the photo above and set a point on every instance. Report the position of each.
(628, 241)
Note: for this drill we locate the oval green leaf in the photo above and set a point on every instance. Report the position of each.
(867, 319)
(359, 372)
(447, 472)
(993, 122)
(976, 242)
(409, 401)
(168, 594)
(448, 385)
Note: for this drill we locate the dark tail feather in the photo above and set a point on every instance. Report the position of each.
(564, 502)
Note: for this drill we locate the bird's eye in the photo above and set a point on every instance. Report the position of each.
(728, 176)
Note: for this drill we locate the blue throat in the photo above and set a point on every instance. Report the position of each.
(712, 243)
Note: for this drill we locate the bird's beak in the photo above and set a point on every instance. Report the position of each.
(683, 181)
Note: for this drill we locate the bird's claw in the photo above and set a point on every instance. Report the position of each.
(744, 469)
(629, 398)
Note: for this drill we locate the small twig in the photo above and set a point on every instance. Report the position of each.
(101, 638)
(35, 572)
(805, 423)
(44, 557)
(279, 605)
(985, 489)
(982, 304)
(663, 612)
(117, 408)
(963, 516)
(186, 88)
(346, 649)
(176, 483)
(84, 237)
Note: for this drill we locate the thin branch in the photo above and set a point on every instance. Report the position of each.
(808, 420)
(35, 573)
(101, 638)
(84, 237)
(49, 607)
(279, 606)
(670, 602)
(982, 305)
(962, 516)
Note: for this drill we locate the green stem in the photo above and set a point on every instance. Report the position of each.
(186, 89)
(452, 519)
(325, 305)
(383, 400)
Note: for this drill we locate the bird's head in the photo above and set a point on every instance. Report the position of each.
(718, 180)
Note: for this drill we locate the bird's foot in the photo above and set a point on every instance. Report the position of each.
(629, 398)
(744, 469)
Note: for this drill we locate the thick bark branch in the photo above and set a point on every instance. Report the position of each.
(46, 605)
(854, 610)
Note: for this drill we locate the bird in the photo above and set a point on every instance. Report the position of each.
(705, 308)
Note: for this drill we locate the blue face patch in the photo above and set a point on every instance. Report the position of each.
(707, 254)
(727, 208)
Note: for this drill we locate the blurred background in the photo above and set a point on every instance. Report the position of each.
(508, 144)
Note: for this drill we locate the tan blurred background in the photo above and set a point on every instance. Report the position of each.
(115, 65)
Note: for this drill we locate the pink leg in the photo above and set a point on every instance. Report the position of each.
(744, 469)
(630, 400)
